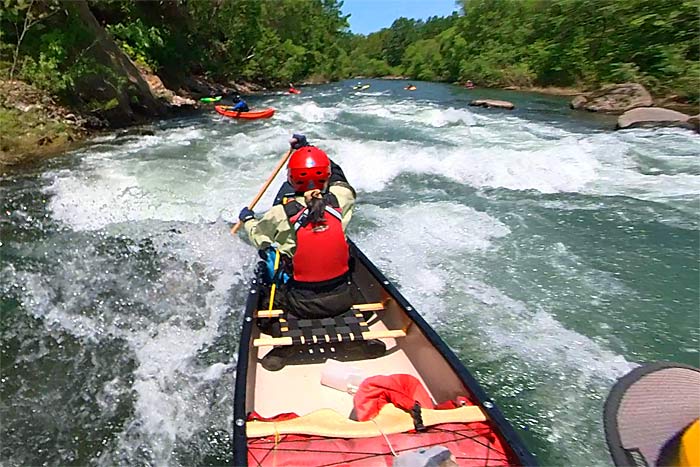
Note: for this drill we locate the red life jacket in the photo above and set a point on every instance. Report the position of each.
(322, 252)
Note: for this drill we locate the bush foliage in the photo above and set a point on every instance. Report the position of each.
(582, 43)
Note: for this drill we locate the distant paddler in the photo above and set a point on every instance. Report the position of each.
(410, 87)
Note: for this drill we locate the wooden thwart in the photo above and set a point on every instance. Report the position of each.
(389, 420)
(360, 307)
(367, 335)
(368, 307)
(269, 313)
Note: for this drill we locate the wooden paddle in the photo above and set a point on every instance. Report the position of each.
(267, 183)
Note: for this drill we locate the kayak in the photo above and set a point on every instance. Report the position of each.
(410, 88)
(295, 384)
(210, 99)
(226, 111)
(361, 87)
(294, 91)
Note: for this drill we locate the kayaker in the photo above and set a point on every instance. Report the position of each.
(309, 229)
(240, 104)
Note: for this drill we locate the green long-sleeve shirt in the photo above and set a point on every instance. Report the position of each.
(274, 227)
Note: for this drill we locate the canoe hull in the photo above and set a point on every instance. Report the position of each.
(273, 395)
(252, 115)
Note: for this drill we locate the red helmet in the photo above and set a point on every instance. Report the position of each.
(309, 168)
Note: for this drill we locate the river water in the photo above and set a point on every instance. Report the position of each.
(552, 254)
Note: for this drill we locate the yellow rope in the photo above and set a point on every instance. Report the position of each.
(274, 285)
(277, 436)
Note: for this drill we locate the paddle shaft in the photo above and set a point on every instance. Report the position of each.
(272, 176)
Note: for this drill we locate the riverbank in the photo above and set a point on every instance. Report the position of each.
(549, 90)
(668, 101)
(37, 126)
(34, 125)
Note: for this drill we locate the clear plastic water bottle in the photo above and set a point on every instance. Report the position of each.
(341, 376)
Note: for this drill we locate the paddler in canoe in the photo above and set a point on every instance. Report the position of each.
(410, 87)
(293, 90)
(308, 225)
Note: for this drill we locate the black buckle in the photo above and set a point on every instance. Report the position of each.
(417, 417)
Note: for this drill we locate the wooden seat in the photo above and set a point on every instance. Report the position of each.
(389, 420)
(347, 327)
(367, 335)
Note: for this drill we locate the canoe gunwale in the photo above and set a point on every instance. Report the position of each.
(240, 437)
(492, 411)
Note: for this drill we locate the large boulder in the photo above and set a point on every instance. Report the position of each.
(125, 98)
(161, 92)
(653, 116)
(492, 103)
(614, 98)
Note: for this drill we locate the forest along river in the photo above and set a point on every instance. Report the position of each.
(552, 254)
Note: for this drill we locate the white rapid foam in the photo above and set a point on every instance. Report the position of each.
(199, 174)
(210, 180)
(434, 250)
(186, 306)
(121, 185)
(435, 261)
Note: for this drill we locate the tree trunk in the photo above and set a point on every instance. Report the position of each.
(134, 98)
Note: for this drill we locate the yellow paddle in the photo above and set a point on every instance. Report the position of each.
(272, 176)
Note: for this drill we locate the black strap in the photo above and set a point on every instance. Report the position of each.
(292, 207)
(417, 417)
(326, 329)
(331, 200)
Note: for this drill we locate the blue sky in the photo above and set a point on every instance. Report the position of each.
(372, 15)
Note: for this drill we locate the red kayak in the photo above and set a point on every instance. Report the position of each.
(226, 111)
(294, 91)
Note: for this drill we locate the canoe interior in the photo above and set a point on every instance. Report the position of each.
(297, 387)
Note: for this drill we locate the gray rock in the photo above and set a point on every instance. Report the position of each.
(136, 131)
(652, 116)
(614, 98)
(95, 123)
(27, 107)
(488, 103)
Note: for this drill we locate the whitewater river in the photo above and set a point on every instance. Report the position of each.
(552, 254)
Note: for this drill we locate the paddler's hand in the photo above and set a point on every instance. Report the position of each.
(298, 141)
(246, 215)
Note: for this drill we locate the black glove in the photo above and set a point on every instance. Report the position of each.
(298, 141)
(246, 215)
